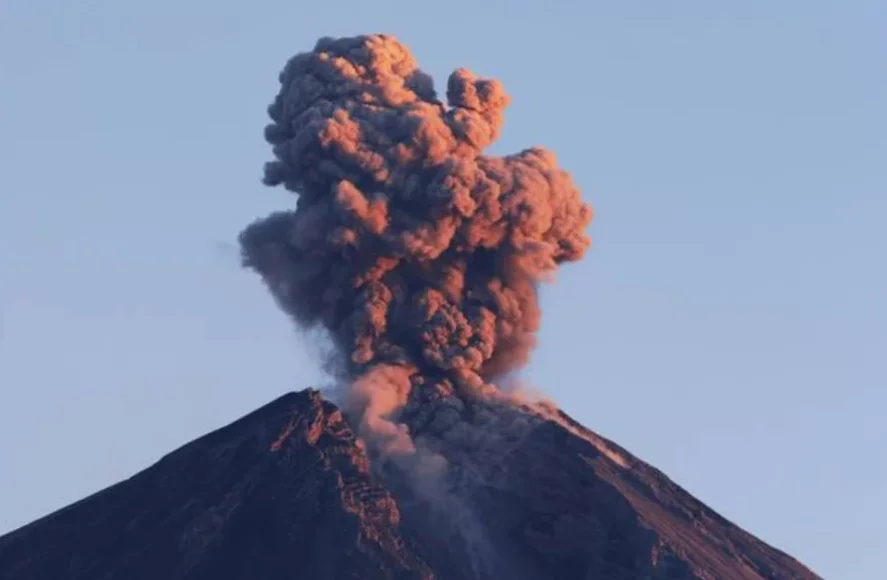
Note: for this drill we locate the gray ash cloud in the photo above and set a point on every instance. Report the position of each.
(419, 254)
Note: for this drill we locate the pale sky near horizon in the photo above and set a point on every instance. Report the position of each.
(729, 325)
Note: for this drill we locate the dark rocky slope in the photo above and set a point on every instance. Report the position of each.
(287, 493)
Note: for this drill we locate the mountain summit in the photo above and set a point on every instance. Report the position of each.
(287, 492)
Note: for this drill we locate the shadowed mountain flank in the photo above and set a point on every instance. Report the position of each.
(287, 492)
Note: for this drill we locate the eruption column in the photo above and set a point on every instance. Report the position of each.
(418, 254)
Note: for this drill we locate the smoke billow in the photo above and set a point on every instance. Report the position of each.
(418, 253)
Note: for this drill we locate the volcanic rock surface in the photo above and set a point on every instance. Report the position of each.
(287, 492)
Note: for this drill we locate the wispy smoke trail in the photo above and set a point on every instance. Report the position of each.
(418, 253)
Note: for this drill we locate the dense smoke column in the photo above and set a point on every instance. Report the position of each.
(418, 253)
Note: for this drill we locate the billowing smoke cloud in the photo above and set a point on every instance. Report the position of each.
(418, 253)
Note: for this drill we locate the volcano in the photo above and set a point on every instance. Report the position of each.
(288, 492)
(420, 255)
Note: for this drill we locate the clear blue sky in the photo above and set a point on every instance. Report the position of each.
(729, 325)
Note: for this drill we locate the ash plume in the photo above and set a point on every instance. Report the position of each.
(418, 253)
